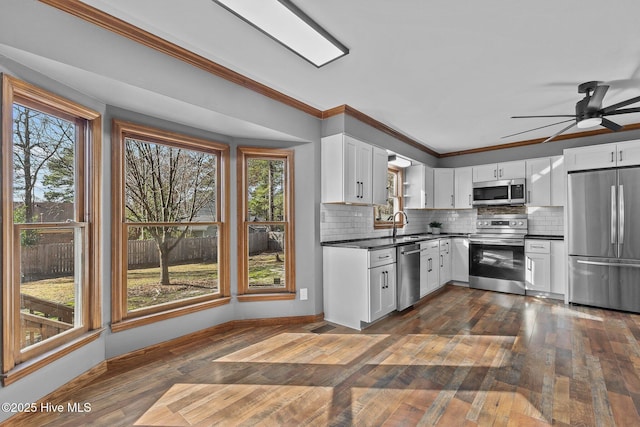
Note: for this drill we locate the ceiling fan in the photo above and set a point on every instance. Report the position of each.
(589, 111)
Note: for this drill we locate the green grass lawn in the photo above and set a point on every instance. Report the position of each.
(264, 268)
(187, 281)
(144, 289)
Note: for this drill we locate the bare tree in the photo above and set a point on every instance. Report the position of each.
(167, 185)
(38, 139)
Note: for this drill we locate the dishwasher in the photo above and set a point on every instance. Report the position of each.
(408, 258)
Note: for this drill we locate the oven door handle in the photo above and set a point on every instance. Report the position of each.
(497, 242)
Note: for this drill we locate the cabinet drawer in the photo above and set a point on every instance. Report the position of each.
(430, 244)
(537, 246)
(382, 257)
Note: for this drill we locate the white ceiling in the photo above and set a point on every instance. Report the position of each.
(447, 74)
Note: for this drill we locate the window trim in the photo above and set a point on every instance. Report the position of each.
(400, 179)
(15, 362)
(289, 292)
(121, 319)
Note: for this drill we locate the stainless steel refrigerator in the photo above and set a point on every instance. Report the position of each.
(604, 238)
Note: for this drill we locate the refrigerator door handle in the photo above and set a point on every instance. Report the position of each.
(614, 215)
(609, 264)
(621, 216)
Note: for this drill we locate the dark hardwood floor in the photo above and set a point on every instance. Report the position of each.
(463, 358)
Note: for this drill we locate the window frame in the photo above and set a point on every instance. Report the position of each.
(245, 153)
(121, 318)
(17, 363)
(399, 172)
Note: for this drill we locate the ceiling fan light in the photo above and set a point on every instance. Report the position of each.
(590, 122)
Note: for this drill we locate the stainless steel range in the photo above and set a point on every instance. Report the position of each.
(496, 253)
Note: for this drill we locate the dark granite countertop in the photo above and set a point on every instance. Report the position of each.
(543, 237)
(387, 242)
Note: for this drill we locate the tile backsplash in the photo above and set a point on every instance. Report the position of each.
(546, 220)
(345, 222)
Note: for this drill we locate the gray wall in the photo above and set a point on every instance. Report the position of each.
(219, 96)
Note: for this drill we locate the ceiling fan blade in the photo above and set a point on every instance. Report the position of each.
(621, 104)
(595, 102)
(558, 133)
(541, 127)
(623, 111)
(610, 125)
(534, 117)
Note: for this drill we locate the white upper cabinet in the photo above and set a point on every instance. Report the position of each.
(511, 170)
(379, 176)
(602, 156)
(443, 185)
(348, 171)
(418, 187)
(463, 188)
(485, 172)
(539, 182)
(558, 181)
(628, 153)
(498, 171)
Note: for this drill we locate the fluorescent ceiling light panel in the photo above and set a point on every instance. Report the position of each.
(398, 161)
(284, 22)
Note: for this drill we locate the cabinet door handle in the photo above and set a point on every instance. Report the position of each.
(501, 171)
(469, 199)
(620, 153)
(612, 159)
(452, 204)
(441, 260)
(537, 246)
(528, 196)
(495, 173)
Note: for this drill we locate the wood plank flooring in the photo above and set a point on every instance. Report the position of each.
(464, 358)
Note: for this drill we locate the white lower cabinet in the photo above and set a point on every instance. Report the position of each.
(545, 266)
(382, 291)
(359, 286)
(429, 267)
(538, 265)
(445, 261)
(460, 259)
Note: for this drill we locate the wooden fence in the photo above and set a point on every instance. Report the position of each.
(57, 259)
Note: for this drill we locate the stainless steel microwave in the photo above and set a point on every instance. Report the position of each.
(503, 192)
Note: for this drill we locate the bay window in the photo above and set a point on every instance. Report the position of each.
(170, 238)
(265, 224)
(50, 226)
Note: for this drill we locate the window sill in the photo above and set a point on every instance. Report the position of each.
(169, 314)
(267, 297)
(30, 366)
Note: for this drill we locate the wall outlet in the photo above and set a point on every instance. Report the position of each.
(303, 294)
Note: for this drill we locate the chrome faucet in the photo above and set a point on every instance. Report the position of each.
(406, 221)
